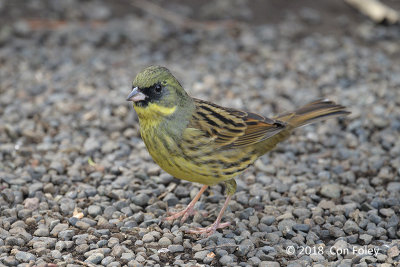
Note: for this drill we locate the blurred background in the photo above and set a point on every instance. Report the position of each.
(70, 141)
(76, 59)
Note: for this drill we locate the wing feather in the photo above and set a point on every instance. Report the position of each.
(231, 128)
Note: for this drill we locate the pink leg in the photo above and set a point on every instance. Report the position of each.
(189, 209)
(216, 225)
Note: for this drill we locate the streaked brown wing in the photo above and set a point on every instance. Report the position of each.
(232, 128)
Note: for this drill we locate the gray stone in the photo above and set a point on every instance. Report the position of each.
(386, 212)
(393, 186)
(254, 261)
(163, 178)
(67, 206)
(181, 191)
(330, 191)
(42, 231)
(109, 211)
(147, 238)
(8, 195)
(269, 264)
(273, 238)
(369, 259)
(393, 221)
(89, 221)
(82, 225)
(103, 251)
(175, 248)
(66, 234)
(201, 255)
(23, 256)
(82, 248)
(73, 221)
(14, 241)
(301, 227)
(121, 182)
(286, 225)
(127, 256)
(336, 232)
(246, 213)
(91, 144)
(365, 239)
(164, 242)
(10, 261)
(316, 257)
(34, 188)
(244, 247)
(117, 251)
(340, 245)
(374, 218)
(58, 166)
(171, 199)
(94, 210)
(127, 211)
(268, 220)
(107, 260)
(60, 245)
(53, 223)
(225, 260)
(58, 228)
(24, 213)
(301, 212)
(95, 258)
(140, 199)
(324, 175)
(117, 264)
(140, 258)
(350, 227)
(352, 239)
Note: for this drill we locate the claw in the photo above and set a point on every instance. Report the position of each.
(216, 225)
(189, 210)
(210, 229)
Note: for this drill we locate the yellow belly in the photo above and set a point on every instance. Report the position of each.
(199, 163)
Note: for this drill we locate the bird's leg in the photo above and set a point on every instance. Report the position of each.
(189, 210)
(230, 190)
(216, 225)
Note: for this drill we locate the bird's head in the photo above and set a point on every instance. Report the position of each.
(156, 92)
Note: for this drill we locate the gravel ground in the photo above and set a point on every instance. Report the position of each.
(78, 186)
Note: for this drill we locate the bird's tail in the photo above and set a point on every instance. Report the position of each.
(313, 112)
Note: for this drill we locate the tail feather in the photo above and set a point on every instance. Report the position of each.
(313, 112)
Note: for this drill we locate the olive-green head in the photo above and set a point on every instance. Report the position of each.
(156, 85)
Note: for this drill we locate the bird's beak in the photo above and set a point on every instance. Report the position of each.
(136, 95)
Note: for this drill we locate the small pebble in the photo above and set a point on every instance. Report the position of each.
(175, 248)
(330, 191)
(95, 258)
(24, 256)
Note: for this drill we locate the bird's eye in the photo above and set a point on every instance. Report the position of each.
(158, 88)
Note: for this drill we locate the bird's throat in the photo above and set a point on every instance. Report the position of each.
(152, 114)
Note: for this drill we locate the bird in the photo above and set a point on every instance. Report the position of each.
(202, 142)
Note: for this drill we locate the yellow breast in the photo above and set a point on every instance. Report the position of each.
(193, 157)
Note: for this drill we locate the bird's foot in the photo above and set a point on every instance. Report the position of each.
(188, 211)
(207, 231)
